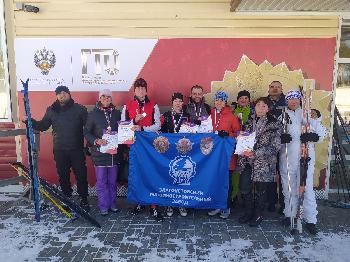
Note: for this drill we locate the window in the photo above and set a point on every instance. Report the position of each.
(342, 100)
(5, 109)
(344, 49)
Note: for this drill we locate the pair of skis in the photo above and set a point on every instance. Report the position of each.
(64, 204)
(306, 92)
(39, 185)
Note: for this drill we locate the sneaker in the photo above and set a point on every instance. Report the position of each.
(245, 218)
(169, 211)
(225, 213)
(104, 213)
(156, 215)
(183, 211)
(137, 209)
(114, 209)
(311, 228)
(85, 204)
(214, 212)
(256, 221)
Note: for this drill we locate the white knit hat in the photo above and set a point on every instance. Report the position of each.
(105, 92)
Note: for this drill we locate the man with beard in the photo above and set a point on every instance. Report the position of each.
(197, 108)
(277, 102)
(67, 119)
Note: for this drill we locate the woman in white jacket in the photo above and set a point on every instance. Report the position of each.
(290, 160)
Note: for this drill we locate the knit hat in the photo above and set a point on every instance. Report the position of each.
(243, 93)
(105, 92)
(177, 96)
(59, 89)
(293, 94)
(221, 95)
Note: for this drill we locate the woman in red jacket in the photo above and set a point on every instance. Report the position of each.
(224, 124)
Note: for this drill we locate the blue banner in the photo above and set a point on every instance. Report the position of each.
(188, 170)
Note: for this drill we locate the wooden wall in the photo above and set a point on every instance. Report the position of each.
(162, 19)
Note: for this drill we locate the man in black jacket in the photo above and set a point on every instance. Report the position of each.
(67, 119)
(277, 102)
(197, 108)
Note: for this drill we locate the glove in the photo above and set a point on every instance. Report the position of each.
(286, 138)
(197, 122)
(309, 137)
(87, 151)
(222, 133)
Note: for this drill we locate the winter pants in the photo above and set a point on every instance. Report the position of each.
(253, 206)
(106, 187)
(235, 184)
(272, 193)
(75, 159)
(309, 204)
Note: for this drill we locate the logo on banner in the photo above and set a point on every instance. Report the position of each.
(182, 169)
(207, 145)
(161, 144)
(44, 59)
(184, 146)
(100, 61)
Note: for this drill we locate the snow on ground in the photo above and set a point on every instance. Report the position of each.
(327, 247)
(11, 189)
(22, 239)
(23, 242)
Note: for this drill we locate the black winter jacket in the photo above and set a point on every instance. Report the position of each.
(168, 123)
(67, 125)
(95, 124)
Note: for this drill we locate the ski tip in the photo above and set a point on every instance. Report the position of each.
(25, 86)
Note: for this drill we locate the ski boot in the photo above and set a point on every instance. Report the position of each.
(156, 214)
(85, 204)
(311, 228)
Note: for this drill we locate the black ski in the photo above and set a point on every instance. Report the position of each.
(55, 193)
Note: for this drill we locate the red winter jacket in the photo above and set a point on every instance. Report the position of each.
(228, 122)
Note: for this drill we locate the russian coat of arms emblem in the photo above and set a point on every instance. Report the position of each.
(44, 59)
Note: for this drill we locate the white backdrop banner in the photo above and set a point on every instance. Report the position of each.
(82, 64)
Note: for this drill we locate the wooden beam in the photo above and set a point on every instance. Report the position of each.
(234, 5)
(12, 132)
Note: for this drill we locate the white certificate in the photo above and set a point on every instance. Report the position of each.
(112, 143)
(245, 142)
(206, 126)
(125, 133)
(188, 128)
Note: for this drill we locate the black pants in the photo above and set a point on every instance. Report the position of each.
(271, 192)
(75, 159)
(272, 196)
(253, 194)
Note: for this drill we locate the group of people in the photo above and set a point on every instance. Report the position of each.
(276, 119)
